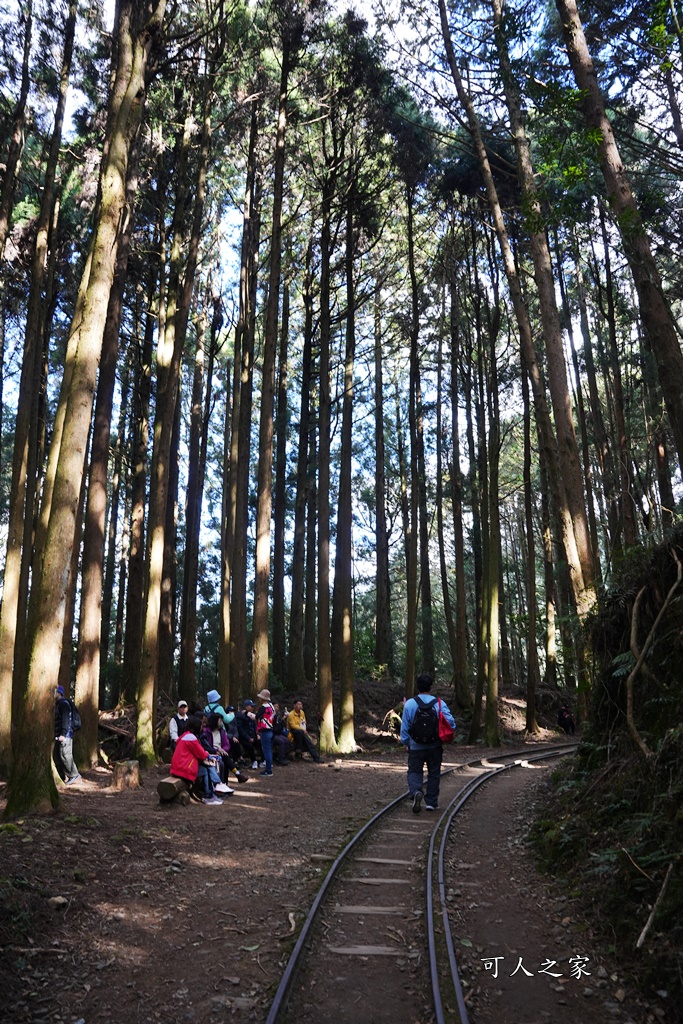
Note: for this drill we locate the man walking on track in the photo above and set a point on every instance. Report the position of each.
(420, 737)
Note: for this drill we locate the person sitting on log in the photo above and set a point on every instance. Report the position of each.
(216, 740)
(236, 751)
(296, 720)
(191, 762)
(282, 745)
(214, 765)
(246, 730)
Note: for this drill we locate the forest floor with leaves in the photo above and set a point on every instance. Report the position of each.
(120, 909)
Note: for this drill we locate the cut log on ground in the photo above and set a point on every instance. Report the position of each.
(126, 775)
(171, 788)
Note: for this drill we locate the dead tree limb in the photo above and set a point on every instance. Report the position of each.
(648, 923)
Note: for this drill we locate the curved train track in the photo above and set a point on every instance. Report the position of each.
(395, 857)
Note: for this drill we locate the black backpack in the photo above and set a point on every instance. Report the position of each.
(425, 726)
(75, 717)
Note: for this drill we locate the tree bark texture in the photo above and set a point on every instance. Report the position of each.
(31, 778)
(264, 484)
(23, 485)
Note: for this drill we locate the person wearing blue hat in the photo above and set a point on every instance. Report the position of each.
(215, 707)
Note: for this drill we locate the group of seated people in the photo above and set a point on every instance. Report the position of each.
(213, 744)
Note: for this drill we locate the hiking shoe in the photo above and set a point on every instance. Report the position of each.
(76, 778)
(429, 807)
(417, 802)
(214, 800)
(254, 764)
(267, 774)
(221, 787)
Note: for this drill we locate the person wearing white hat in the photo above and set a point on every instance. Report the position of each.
(178, 724)
(265, 717)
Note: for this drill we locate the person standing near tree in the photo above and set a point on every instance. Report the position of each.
(265, 717)
(420, 737)
(64, 739)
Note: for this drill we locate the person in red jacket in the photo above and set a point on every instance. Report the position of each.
(190, 760)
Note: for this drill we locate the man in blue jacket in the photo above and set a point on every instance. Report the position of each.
(420, 737)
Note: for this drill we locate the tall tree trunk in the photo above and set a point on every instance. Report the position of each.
(264, 484)
(167, 617)
(310, 609)
(602, 442)
(23, 487)
(550, 677)
(16, 142)
(426, 610)
(132, 641)
(343, 566)
(328, 741)
(105, 690)
(296, 674)
(445, 590)
(581, 412)
(543, 273)
(655, 311)
(240, 458)
(384, 655)
(280, 506)
(413, 530)
(87, 689)
(169, 352)
(480, 496)
(666, 494)
(187, 676)
(491, 726)
(460, 676)
(533, 680)
(628, 513)
(31, 783)
(118, 487)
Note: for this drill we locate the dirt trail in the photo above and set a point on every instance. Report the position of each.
(117, 909)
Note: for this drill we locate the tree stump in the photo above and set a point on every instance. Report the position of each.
(171, 788)
(126, 775)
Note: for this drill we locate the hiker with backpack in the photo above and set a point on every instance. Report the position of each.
(67, 722)
(424, 718)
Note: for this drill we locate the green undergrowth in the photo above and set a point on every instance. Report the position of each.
(612, 823)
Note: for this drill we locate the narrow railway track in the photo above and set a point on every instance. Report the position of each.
(383, 901)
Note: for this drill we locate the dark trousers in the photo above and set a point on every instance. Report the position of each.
(417, 759)
(302, 739)
(281, 747)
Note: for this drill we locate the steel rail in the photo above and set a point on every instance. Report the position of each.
(280, 999)
(446, 820)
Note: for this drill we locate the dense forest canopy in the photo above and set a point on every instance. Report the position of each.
(332, 345)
